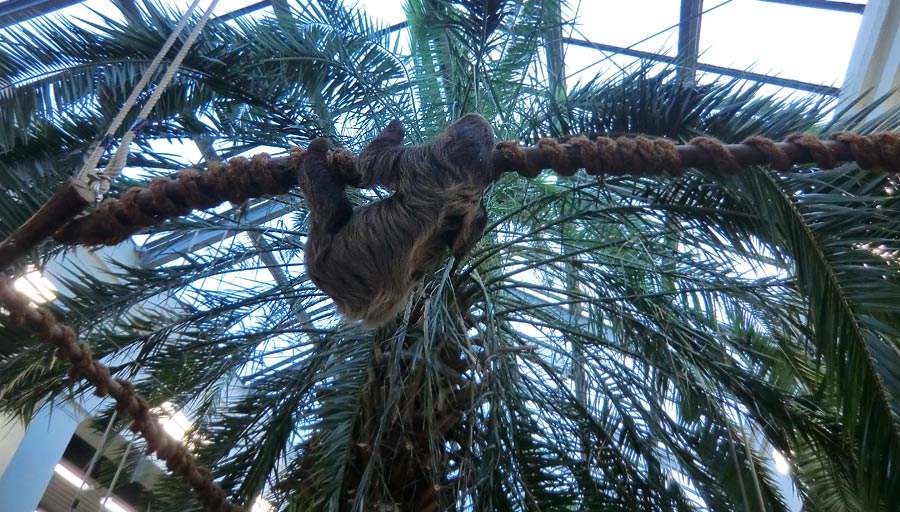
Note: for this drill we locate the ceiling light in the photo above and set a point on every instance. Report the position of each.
(36, 287)
(781, 463)
(70, 476)
(262, 505)
(173, 421)
(112, 505)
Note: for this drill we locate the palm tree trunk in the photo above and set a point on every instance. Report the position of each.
(400, 450)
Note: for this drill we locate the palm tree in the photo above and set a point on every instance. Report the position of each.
(627, 343)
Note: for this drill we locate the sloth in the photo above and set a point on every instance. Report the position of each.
(370, 258)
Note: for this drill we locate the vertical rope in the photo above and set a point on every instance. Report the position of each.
(103, 143)
(115, 479)
(115, 165)
(94, 459)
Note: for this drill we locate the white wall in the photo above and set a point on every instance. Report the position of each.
(874, 68)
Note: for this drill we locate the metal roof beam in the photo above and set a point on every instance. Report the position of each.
(15, 11)
(243, 11)
(689, 40)
(710, 68)
(823, 4)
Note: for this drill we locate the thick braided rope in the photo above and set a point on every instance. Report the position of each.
(239, 179)
(722, 159)
(88, 186)
(775, 156)
(646, 156)
(236, 180)
(69, 348)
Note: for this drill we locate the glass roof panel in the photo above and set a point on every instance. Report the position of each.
(803, 43)
(388, 13)
(648, 25)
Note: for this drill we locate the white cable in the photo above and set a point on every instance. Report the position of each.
(98, 150)
(86, 176)
(117, 162)
(98, 452)
(115, 479)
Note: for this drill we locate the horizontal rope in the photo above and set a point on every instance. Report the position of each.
(239, 179)
(644, 156)
(58, 211)
(235, 180)
(69, 348)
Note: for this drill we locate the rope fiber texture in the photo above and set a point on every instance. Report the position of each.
(239, 179)
(89, 186)
(236, 180)
(643, 156)
(175, 454)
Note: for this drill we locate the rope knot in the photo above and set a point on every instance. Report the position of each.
(658, 156)
(610, 162)
(877, 151)
(341, 162)
(587, 151)
(98, 183)
(556, 157)
(265, 181)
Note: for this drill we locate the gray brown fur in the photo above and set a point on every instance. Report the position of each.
(369, 259)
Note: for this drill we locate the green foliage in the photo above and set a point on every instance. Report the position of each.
(624, 343)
